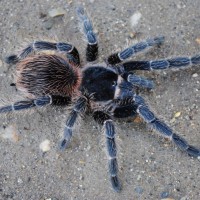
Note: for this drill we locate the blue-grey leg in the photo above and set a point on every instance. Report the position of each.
(137, 103)
(78, 109)
(132, 50)
(39, 102)
(86, 25)
(149, 117)
(70, 51)
(26, 104)
(178, 62)
(109, 131)
(138, 80)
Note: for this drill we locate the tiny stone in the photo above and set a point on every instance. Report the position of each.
(164, 194)
(1, 63)
(167, 199)
(184, 198)
(135, 18)
(56, 12)
(112, 7)
(48, 24)
(132, 35)
(195, 75)
(19, 180)
(139, 190)
(51, 199)
(198, 40)
(172, 120)
(177, 114)
(139, 177)
(45, 145)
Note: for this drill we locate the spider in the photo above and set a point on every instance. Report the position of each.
(104, 91)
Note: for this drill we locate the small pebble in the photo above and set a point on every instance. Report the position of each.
(1, 63)
(48, 24)
(132, 35)
(19, 180)
(139, 190)
(167, 199)
(195, 75)
(198, 40)
(45, 145)
(51, 199)
(112, 7)
(184, 198)
(177, 114)
(10, 132)
(164, 194)
(81, 161)
(135, 18)
(139, 177)
(56, 12)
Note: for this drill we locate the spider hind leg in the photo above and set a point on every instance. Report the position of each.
(38, 102)
(26, 104)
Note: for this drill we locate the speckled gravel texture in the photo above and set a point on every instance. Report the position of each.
(150, 167)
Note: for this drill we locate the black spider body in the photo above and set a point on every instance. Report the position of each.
(106, 90)
(99, 81)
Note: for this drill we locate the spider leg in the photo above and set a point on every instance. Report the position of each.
(130, 51)
(139, 106)
(149, 117)
(92, 46)
(109, 131)
(138, 80)
(39, 102)
(161, 64)
(78, 109)
(71, 51)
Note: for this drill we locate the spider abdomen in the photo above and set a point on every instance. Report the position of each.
(43, 74)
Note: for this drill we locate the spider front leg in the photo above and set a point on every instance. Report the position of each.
(78, 109)
(161, 64)
(130, 51)
(92, 46)
(109, 131)
(71, 51)
(138, 80)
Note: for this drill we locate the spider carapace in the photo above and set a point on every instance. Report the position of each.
(105, 91)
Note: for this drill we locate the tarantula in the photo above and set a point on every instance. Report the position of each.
(105, 91)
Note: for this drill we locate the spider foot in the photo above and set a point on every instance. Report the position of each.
(184, 146)
(116, 183)
(64, 144)
(193, 151)
(12, 59)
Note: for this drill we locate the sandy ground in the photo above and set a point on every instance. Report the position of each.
(150, 167)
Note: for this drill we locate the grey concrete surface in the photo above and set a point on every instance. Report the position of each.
(150, 167)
